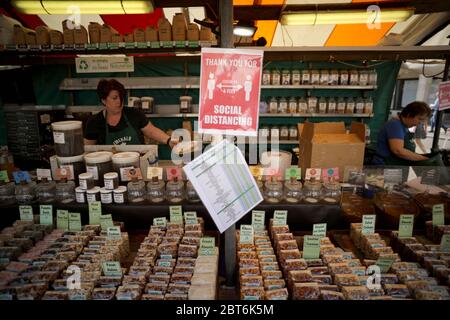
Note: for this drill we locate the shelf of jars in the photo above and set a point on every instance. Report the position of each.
(272, 115)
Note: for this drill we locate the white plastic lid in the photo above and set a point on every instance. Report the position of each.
(98, 157)
(93, 190)
(186, 98)
(125, 157)
(120, 189)
(79, 190)
(103, 190)
(67, 125)
(68, 160)
(86, 176)
(111, 175)
(147, 99)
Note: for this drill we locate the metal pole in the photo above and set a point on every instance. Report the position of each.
(226, 41)
(440, 114)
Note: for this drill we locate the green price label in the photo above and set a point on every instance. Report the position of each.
(26, 213)
(438, 215)
(385, 264)
(368, 224)
(246, 235)
(176, 214)
(160, 222)
(74, 221)
(113, 233)
(106, 221)
(155, 44)
(190, 217)
(406, 226)
(311, 247)
(4, 176)
(445, 242)
(207, 246)
(46, 214)
(258, 219)
(95, 211)
(280, 217)
(293, 172)
(320, 229)
(62, 219)
(112, 269)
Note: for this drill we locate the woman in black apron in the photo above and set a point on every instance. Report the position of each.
(117, 125)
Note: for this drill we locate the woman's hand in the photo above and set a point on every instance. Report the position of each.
(173, 143)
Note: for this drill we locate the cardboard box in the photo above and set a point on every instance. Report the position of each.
(164, 30)
(105, 34)
(80, 35)
(151, 34)
(206, 34)
(19, 35)
(179, 27)
(193, 32)
(42, 35)
(30, 37)
(327, 145)
(68, 36)
(139, 35)
(116, 38)
(128, 37)
(56, 37)
(94, 32)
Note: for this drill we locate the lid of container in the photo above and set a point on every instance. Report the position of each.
(104, 190)
(93, 190)
(67, 125)
(120, 189)
(111, 175)
(186, 98)
(79, 190)
(125, 157)
(147, 99)
(64, 160)
(86, 175)
(98, 157)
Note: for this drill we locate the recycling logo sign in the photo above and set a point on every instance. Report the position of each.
(104, 64)
(83, 65)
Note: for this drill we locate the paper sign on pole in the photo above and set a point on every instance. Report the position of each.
(224, 184)
(229, 91)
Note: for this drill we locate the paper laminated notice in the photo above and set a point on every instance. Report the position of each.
(224, 183)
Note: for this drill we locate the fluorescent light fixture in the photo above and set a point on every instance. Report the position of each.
(244, 29)
(83, 6)
(345, 17)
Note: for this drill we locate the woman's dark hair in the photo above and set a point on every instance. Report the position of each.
(105, 86)
(416, 108)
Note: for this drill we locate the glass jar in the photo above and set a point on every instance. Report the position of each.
(296, 77)
(93, 195)
(293, 190)
(275, 132)
(98, 163)
(292, 105)
(331, 106)
(7, 192)
(334, 78)
(266, 77)
(354, 78)
(273, 105)
(191, 194)
(341, 105)
(136, 190)
(293, 133)
(264, 132)
(46, 191)
(332, 191)
(273, 191)
(368, 106)
(185, 104)
(26, 192)
(263, 107)
(65, 191)
(74, 166)
(343, 77)
(285, 77)
(120, 195)
(363, 78)
(302, 106)
(312, 104)
(322, 105)
(111, 180)
(260, 184)
(147, 105)
(282, 105)
(68, 138)
(284, 133)
(86, 180)
(373, 77)
(106, 196)
(155, 190)
(324, 77)
(315, 77)
(350, 108)
(174, 191)
(306, 77)
(123, 162)
(80, 195)
(276, 78)
(359, 108)
(312, 191)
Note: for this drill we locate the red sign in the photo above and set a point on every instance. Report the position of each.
(230, 91)
(444, 95)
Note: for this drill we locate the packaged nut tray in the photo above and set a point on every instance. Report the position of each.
(104, 293)
(277, 294)
(331, 295)
(355, 293)
(56, 295)
(128, 292)
(305, 291)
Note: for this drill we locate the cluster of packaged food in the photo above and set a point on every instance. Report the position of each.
(371, 245)
(204, 279)
(259, 272)
(435, 232)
